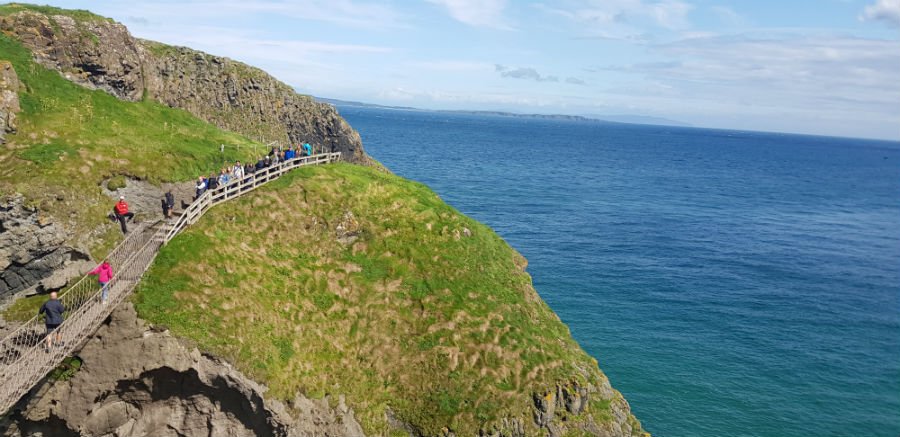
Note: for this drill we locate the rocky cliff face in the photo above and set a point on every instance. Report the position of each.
(32, 250)
(102, 54)
(135, 380)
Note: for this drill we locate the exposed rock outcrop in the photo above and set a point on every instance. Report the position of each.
(9, 99)
(102, 54)
(33, 250)
(138, 381)
(558, 412)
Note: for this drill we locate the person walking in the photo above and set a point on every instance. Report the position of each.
(53, 311)
(201, 186)
(168, 204)
(307, 149)
(212, 182)
(104, 275)
(223, 178)
(122, 213)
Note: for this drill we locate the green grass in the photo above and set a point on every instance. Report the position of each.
(444, 331)
(75, 138)
(159, 49)
(67, 369)
(24, 308)
(116, 182)
(79, 15)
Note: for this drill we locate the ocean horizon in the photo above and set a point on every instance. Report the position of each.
(730, 283)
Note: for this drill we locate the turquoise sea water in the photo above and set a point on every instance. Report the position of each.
(729, 283)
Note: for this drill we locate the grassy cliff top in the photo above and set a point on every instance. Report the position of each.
(70, 139)
(346, 280)
(79, 15)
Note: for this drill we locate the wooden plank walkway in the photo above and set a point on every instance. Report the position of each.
(24, 359)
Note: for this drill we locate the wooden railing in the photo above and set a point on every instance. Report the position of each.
(24, 358)
(237, 188)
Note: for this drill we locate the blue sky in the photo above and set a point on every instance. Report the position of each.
(827, 67)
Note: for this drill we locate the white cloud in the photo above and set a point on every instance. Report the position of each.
(623, 19)
(477, 13)
(883, 10)
(815, 74)
(345, 13)
(452, 66)
(728, 16)
(523, 73)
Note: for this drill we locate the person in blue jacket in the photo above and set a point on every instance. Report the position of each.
(307, 149)
(53, 310)
(289, 153)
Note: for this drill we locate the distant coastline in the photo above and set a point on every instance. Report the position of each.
(615, 119)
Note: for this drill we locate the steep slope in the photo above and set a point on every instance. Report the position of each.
(131, 131)
(100, 53)
(68, 143)
(347, 281)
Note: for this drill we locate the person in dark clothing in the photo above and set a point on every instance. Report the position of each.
(213, 182)
(261, 164)
(268, 160)
(122, 214)
(168, 204)
(53, 310)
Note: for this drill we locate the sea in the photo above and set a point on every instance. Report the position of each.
(729, 283)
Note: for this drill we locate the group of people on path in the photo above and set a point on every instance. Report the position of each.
(53, 309)
(237, 172)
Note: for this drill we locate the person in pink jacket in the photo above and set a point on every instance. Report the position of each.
(104, 275)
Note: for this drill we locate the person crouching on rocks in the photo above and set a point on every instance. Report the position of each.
(121, 212)
(104, 275)
(53, 310)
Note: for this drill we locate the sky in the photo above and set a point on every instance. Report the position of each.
(828, 67)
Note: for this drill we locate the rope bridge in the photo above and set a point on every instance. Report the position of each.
(24, 360)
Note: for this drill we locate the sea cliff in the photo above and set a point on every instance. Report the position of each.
(340, 300)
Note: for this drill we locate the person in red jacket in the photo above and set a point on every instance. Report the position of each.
(122, 213)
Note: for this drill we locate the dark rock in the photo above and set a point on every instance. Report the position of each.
(32, 249)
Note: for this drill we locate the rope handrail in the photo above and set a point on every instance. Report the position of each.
(24, 359)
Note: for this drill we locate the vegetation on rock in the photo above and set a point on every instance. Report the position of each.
(346, 280)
